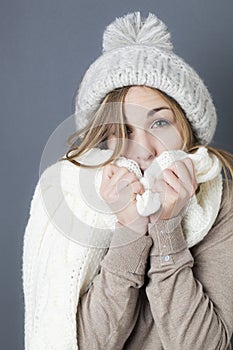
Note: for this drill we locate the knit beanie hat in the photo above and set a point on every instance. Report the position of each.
(138, 51)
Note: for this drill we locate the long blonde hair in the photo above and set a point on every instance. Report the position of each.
(95, 133)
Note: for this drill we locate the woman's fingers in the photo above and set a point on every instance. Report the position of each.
(171, 179)
(108, 171)
(176, 185)
(115, 173)
(117, 179)
(168, 198)
(119, 188)
(137, 187)
(180, 175)
(124, 180)
(165, 191)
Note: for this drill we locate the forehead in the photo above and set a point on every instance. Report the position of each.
(139, 100)
(143, 95)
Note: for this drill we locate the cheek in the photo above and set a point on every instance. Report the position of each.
(171, 139)
(174, 140)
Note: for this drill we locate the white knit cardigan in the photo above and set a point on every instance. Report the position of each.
(62, 253)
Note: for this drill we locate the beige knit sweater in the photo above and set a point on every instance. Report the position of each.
(155, 293)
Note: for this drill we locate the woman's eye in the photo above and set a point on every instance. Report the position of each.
(160, 123)
(128, 130)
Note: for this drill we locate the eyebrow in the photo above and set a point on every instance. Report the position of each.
(155, 110)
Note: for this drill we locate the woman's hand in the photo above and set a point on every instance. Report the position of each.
(176, 185)
(119, 188)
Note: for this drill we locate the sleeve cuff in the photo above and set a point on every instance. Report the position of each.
(168, 237)
(131, 255)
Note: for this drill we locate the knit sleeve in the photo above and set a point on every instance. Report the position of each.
(190, 291)
(108, 311)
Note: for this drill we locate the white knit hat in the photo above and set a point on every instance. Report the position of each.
(138, 51)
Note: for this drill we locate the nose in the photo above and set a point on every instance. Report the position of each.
(141, 148)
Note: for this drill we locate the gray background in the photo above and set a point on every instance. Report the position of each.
(46, 46)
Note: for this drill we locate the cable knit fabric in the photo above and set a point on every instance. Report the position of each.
(138, 51)
(61, 258)
(56, 271)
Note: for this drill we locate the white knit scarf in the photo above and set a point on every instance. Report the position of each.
(62, 252)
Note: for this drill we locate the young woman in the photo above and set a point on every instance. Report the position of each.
(165, 279)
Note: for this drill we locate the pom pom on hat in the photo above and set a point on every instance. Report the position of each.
(131, 29)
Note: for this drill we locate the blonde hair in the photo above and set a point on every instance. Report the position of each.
(97, 130)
